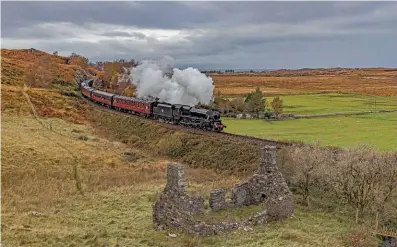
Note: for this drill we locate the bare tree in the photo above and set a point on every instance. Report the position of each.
(364, 178)
(308, 164)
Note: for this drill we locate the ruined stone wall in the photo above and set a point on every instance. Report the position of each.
(217, 200)
(176, 209)
(266, 186)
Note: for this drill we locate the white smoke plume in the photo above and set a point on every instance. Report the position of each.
(175, 86)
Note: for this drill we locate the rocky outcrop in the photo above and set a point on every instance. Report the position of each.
(79, 77)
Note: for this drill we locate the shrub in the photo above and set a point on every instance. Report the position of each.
(171, 145)
(306, 165)
(277, 105)
(364, 178)
(269, 114)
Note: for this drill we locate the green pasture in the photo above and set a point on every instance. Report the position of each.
(379, 130)
(330, 103)
(334, 102)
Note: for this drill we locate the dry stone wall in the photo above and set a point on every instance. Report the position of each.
(217, 200)
(177, 210)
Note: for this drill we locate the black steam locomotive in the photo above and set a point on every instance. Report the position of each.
(183, 115)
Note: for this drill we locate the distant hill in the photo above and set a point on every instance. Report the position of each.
(17, 65)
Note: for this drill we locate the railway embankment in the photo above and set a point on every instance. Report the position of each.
(195, 149)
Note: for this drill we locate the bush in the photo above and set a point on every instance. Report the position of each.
(359, 177)
(305, 166)
(269, 114)
(364, 178)
(171, 145)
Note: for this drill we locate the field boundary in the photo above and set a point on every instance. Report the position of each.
(350, 113)
(383, 231)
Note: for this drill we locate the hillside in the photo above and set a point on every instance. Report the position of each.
(94, 184)
(370, 81)
(17, 65)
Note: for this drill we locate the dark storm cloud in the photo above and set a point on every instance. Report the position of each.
(210, 34)
(171, 15)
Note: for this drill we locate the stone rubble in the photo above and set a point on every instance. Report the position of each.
(175, 209)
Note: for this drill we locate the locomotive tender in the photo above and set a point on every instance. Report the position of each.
(183, 115)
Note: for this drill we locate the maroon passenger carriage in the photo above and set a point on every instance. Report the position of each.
(102, 98)
(133, 105)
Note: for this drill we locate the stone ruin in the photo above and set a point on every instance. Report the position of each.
(176, 209)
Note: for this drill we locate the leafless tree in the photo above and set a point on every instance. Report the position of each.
(308, 163)
(364, 178)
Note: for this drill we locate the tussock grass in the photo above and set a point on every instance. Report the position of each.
(123, 216)
(48, 103)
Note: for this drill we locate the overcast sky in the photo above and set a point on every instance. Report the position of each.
(222, 35)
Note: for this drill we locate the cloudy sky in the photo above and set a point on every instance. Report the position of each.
(221, 35)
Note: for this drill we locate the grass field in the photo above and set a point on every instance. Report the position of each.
(379, 130)
(332, 102)
(112, 204)
(91, 191)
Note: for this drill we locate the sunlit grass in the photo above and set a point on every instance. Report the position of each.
(379, 130)
(331, 103)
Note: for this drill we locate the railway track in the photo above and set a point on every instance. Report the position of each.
(278, 144)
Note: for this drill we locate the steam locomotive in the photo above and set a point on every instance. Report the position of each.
(179, 114)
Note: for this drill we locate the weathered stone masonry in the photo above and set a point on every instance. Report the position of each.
(176, 209)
